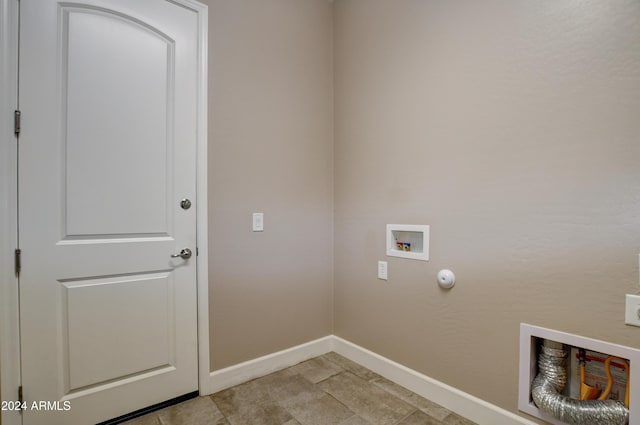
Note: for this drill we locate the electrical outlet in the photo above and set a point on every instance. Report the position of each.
(632, 310)
(258, 222)
(382, 270)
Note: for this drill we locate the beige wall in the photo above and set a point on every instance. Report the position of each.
(512, 128)
(270, 150)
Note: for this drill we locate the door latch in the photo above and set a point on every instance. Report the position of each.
(185, 254)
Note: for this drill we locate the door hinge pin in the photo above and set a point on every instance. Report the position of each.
(16, 122)
(20, 398)
(18, 261)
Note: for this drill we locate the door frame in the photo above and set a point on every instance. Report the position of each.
(9, 313)
(9, 299)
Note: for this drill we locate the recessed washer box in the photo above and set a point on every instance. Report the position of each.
(408, 241)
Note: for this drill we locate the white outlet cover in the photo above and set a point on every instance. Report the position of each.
(382, 270)
(258, 222)
(632, 310)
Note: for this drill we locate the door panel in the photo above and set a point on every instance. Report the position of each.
(90, 317)
(115, 127)
(107, 151)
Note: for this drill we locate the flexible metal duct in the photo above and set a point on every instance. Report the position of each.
(547, 387)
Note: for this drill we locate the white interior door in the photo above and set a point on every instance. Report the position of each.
(107, 153)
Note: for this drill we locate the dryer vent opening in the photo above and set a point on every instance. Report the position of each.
(567, 379)
(548, 387)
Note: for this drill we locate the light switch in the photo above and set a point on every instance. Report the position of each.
(382, 270)
(258, 222)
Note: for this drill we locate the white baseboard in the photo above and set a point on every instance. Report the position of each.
(246, 371)
(457, 401)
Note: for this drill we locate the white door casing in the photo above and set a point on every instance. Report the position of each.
(9, 336)
(112, 106)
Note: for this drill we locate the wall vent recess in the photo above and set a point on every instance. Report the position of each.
(531, 338)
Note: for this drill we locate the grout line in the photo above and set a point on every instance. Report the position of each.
(219, 410)
(411, 413)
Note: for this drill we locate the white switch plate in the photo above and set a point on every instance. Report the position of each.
(632, 310)
(258, 222)
(382, 270)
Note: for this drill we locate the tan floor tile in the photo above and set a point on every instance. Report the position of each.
(201, 410)
(351, 366)
(355, 420)
(241, 397)
(252, 403)
(419, 418)
(293, 387)
(317, 369)
(366, 399)
(325, 410)
(326, 390)
(261, 415)
(454, 419)
(427, 406)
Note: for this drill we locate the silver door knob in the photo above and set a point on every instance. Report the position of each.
(185, 254)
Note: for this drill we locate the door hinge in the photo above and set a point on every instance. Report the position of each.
(20, 398)
(16, 122)
(18, 261)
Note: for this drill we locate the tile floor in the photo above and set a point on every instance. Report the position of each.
(326, 390)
